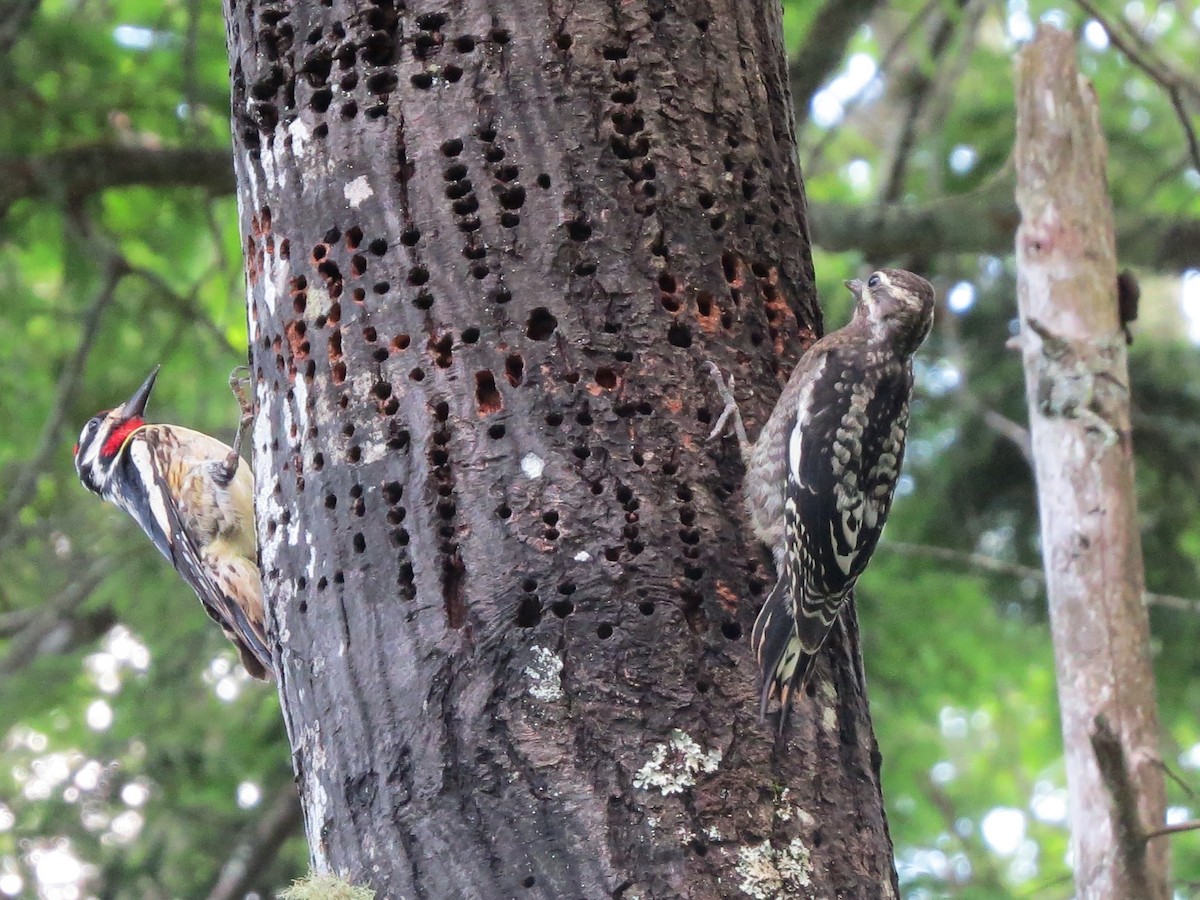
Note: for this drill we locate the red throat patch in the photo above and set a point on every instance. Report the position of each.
(112, 446)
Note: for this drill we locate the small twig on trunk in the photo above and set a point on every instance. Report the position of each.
(1177, 828)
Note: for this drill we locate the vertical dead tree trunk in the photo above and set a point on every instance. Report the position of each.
(1078, 390)
(488, 248)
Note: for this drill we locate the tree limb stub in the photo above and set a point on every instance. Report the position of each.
(1077, 392)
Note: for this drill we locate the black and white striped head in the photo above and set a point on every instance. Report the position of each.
(105, 436)
(898, 305)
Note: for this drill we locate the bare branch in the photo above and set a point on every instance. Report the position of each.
(984, 222)
(979, 222)
(920, 86)
(823, 49)
(1163, 75)
(23, 487)
(56, 628)
(1177, 828)
(86, 170)
(259, 847)
(996, 566)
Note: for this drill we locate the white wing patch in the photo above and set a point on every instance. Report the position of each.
(803, 415)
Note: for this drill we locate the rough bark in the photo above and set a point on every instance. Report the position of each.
(1078, 391)
(488, 249)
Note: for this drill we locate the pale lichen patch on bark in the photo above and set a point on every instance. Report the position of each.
(357, 191)
(532, 465)
(545, 675)
(767, 873)
(673, 766)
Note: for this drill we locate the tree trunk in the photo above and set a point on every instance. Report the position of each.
(488, 249)
(1078, 391)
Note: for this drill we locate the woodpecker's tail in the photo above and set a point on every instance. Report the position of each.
(783, 663)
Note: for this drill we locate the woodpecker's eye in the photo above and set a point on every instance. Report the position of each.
(873, 281)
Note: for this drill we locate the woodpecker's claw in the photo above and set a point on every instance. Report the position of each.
(239, 383)
(725, 390)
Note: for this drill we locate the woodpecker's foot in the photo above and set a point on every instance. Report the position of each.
(239, 383)
(731, 411)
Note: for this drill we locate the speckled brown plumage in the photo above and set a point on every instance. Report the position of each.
(821, 475)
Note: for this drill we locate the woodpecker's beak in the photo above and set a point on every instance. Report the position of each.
(856, 288)
(136, 405)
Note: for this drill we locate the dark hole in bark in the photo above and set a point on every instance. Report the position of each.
(370, 335)
(503, 511)
(543, 181)
(553, 420)
(401, 342)
(579, 230)
(422, 81)
(604, 632)
(354, 454)
(529, 612)
(732, 630)
(541, 324)
(666, 283)
(470, 335)
(410, 236)
(732, 267)
(646, 607)
(679, 335)
(514, 198)
(331, 501)
(563, 41)
(320, 100)
(338, 372)
(497, 431)
(378, 246)
(318, 462)
(486, 393)
(465, 43)
(562, 608)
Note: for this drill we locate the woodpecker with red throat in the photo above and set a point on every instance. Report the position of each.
(194, 497)
(821, 476)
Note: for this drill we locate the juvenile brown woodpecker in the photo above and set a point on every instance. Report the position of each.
(193, 496)
(820, 477)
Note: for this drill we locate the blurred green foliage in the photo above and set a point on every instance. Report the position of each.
(136, 759)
